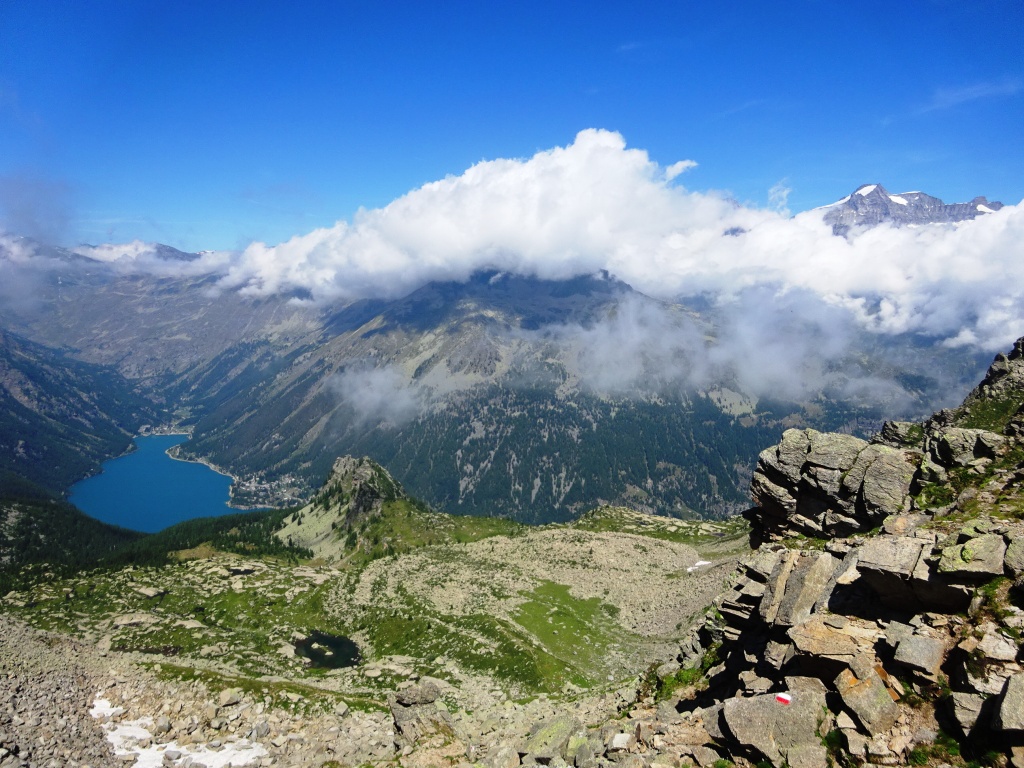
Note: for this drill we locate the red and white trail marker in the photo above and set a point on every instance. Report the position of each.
(784, 698)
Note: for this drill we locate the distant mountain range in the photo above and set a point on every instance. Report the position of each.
(501, 395)
(871, 205)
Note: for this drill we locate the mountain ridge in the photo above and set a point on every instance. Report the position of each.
(870, 205)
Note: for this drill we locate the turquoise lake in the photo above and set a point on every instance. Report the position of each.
(147, 490)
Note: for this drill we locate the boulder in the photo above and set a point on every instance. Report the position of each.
(504, 757)
(417, 716)
(797, 583)
(921, 653)
(797, 484)
(978, 558)
(885, 487)
(893, 555)
(773, 730)
(990, 678)
(901, 434)
(771, 497)
(550, 738)
(967, 709)
(621, 742)
(997, 646)
(869, 700)
(833, 450)
(956, 447)
(833, 637)
(424, 693)
(1013, 560)
(1010, 716)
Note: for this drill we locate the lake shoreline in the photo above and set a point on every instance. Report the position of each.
(150, 488)
(220, 471)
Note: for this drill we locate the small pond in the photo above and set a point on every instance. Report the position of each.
(326, 651)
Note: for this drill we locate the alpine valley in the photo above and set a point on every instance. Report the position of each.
(867, 611)
(502, 395)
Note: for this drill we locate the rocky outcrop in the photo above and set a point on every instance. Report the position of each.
(418, 715)
(356, 490)
(886, 590)
(819, 484)
(360, 483)
(824, 485)
(871, 632)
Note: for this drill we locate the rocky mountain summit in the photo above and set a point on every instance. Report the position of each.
(870, 205)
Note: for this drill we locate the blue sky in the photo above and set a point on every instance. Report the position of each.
(209, 125)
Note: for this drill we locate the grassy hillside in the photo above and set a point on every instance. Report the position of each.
(556, 609)
(487, 604)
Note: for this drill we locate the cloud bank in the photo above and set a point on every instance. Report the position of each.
(596, 204)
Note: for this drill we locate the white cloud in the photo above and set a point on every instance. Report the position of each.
(947, 98)
(378, 394)
(567, 211)
(151, 258)
(109, 252)
(679, 167)
(596, 204)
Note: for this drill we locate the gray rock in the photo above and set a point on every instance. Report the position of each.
(1010, 716)
(504, 757)
(800, 684)
(895, 632)
(621, 742)
(904, 525)
(921, 653)
(773, 729)
(1014, 558)
(414, 722)
(896, 555)
(979, 557)
(992, 679)
(795, 587)
(586, 755)
(833, 450)
(807, 756)
(869, 700)
(424, 693)
(885, 489)
(705, 757)
(712, 719)
(901, 434)
(956, 447)
(997, 646)
(774, 498)
(967, 709)
(820, 638)
(551, 737)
